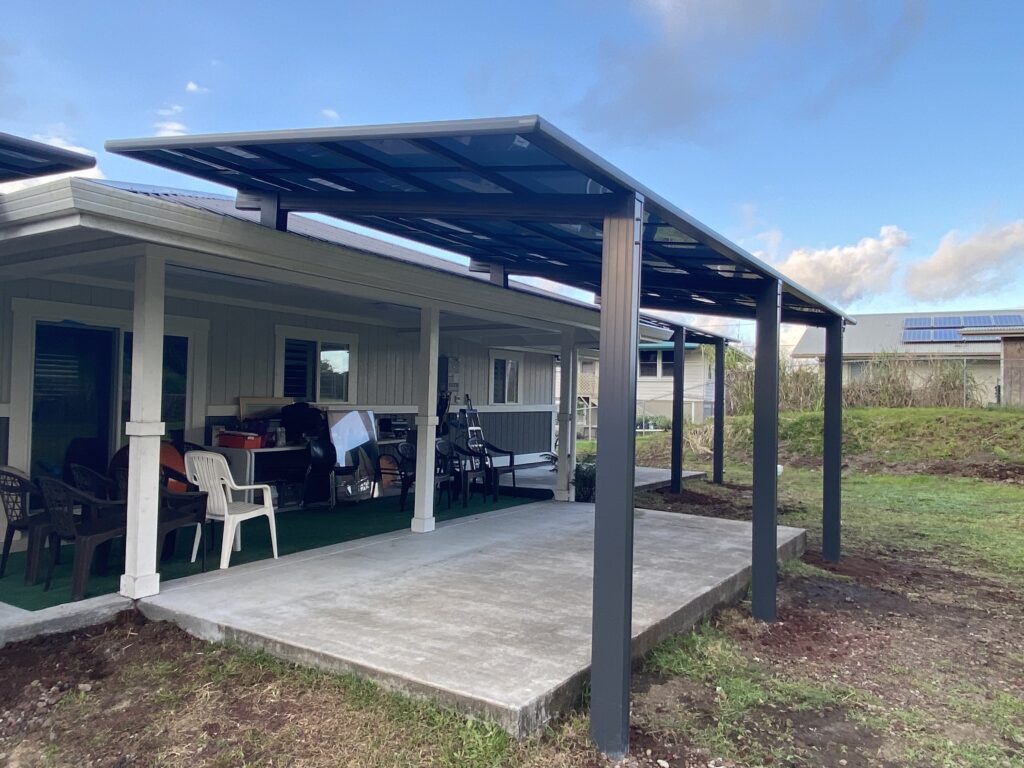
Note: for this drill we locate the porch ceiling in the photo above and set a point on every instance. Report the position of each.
(513, 192)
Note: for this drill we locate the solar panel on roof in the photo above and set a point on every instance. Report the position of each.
(917, 322)
(946, 334)
(1002, 320)
(977, 321)
(916, 335)
(950, 321)
(980, 338)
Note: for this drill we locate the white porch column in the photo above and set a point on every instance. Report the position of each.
(564, 488)
(145, 429)
(426, 421)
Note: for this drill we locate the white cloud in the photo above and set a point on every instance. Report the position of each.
(846, 273)
(692, 65)
(330, 114)
(170, 128)
(193, 87)
(56, 140)
(170, 111)
(969, 265)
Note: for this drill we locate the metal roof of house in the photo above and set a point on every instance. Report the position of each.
(879, 333)
(305, 226)
(514, 192)
(26, 159)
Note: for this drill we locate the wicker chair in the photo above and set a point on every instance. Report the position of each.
(16, 496)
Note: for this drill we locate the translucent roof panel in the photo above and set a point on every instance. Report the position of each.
(515, 192)
(25, 159)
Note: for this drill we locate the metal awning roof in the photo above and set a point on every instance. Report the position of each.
(26, 159)
(514, 192)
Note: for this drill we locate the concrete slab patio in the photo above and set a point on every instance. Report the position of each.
(489, 614)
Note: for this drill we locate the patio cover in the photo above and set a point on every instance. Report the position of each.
(518, 196)
(26, 159)
(513, 192)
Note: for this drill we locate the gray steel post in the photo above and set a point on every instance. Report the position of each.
(613, 510)
(719, 428)
(766, 451)
(678, 389)
(832, 458)
(272, 214)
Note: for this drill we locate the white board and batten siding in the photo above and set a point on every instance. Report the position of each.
(241, 351)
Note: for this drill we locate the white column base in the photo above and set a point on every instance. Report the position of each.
(561, 495)
(136, 587)
(423, 524)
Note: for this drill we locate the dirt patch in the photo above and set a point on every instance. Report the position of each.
(978, 467)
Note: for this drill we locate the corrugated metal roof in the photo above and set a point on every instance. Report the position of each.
(878, 333)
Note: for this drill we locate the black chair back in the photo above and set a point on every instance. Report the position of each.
(60, 504)
(92, 482)
(15, 496)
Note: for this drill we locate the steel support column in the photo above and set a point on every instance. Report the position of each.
(718, 449)
(832, 458)
(426, 420)
(272, 214)
(613, 513)
(766, 451)
(678, 390)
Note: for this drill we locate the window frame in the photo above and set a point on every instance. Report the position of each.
(640, 364)
(501, 354)
(284, 332)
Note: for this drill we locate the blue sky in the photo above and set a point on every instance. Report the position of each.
(872, 150)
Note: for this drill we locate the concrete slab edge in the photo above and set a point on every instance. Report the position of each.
(506, 717)
(536, 715)
(525, 722)
(64, 618)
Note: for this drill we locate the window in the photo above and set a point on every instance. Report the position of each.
(175, 383)
(505, 368)
(648, 363)
(315, 366)
(668, 358)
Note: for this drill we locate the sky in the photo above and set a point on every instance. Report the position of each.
(872, 151)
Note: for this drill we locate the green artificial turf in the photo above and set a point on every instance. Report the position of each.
(297, 531)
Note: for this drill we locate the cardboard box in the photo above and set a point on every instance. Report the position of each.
(239, 440)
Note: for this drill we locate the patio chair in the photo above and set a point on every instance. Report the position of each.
(444, 472)
(210, 473)
(16, 498)
(93, 483)
(503, 469)
(98, 524)
(397, 463)
(182, 510)
(475, 470)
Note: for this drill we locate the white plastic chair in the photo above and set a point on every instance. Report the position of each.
(210, 472)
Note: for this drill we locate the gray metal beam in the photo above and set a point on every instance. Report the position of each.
(613, 512)
(832, 458)
(718, 449)
(678, 390)
(537, 207)
(766, 452)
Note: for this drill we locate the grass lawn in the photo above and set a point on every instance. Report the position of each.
(908, 653)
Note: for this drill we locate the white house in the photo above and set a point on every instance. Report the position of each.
(924, 337)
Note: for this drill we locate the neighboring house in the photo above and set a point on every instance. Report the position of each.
(1011, 357)
(965, 338)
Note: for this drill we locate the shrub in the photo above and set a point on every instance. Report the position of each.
(586, 481)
